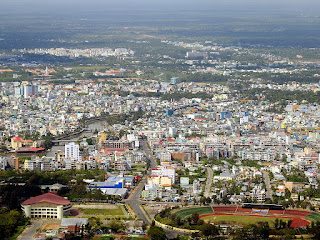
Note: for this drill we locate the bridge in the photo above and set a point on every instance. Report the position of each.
(61, 141)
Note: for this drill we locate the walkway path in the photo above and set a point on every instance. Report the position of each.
(209, 182)
(30, 231)
(268, 185)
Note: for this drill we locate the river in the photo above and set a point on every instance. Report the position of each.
(96, 125)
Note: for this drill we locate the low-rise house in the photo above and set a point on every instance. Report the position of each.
(73, 225)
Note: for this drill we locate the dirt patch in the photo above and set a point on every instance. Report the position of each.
(50, 226)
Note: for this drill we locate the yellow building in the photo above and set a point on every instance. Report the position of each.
(161, 181)
(102, 137)
(17, 142)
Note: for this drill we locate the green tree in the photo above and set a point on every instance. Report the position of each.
(276, 223)
(47, 143)
(203, 200)
(116, 226)
(195, 217)
(225, 200)
(9, 221)
(209, 230)
(156, 233)
(314, 229)
(90, 141)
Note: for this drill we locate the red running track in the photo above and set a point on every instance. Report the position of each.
(297, 212)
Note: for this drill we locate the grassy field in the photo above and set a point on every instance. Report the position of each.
(138, 166)
(237, 219)
(314, 216)
(107, 212)
(201, 210)
(89, 68)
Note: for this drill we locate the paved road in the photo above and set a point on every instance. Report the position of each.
(29, 232)
(209, 182)
(135, 202)
(134, 198)
(268, 185)
(150, 157)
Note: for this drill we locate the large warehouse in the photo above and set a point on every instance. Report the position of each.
(47, 205)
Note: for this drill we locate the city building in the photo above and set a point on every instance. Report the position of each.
(47, 205)
(72, 151)
(165, 171)
(30, 90)
(73, 225)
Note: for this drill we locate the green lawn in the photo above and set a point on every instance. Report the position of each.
(187, 212)
(89, 68)
(314, 216)
(108, 212)
(237, 219)
(138, 166)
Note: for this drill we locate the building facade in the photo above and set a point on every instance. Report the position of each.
(47, 205)
(72, 151)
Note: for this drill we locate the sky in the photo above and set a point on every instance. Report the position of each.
(170, 5)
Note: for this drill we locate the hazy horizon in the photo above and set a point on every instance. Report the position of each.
(290, 19)
(132, 5)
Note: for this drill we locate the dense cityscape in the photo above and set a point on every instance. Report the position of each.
(159, 135)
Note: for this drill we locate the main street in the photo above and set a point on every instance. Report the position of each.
(134, 198)
(135, 202)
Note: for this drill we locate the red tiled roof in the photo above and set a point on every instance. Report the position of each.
(48, 198)
(16, 139)
(30, 149)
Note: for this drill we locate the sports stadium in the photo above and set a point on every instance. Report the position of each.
(251, 214)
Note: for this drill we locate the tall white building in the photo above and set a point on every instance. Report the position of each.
(18, 91)
(196, 187)
(30, 90)
(72, 151)
(172, 131)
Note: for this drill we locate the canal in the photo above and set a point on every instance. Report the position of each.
(98, 125)
(93, 125)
